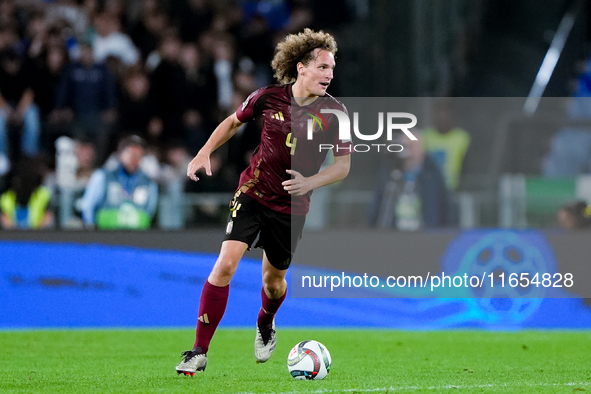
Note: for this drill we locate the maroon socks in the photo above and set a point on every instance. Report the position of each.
(213, 305)
(269, 308)
(211, 310)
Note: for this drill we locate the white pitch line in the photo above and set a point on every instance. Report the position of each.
(415, 388)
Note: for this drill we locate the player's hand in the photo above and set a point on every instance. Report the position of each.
(200, 161)
(297, 185)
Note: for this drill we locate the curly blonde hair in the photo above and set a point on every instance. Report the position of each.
(297, 48)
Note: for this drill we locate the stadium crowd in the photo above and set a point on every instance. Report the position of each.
(167, 71)
(79, 76)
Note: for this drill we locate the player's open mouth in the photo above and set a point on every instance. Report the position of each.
(325, 84)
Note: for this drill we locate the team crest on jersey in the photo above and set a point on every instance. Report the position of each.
(316, 122)
(229, 227)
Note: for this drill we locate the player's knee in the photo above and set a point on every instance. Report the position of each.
(275, 287)
(222, 272)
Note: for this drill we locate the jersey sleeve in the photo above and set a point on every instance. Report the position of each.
(251, 107)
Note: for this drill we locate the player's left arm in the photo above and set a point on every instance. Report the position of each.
(300, 185)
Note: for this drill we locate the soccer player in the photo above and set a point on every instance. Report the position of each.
(273, 196)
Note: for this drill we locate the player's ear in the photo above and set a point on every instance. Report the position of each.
(301, 68)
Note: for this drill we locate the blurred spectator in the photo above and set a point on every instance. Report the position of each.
(146, 33)
(35, 40)
(168, 90)
(570, 147)
(446, 143)
(17, 109)
(583, 82)
(257, 44)
(244, 83)
(302, 16)
(11, 14)
(223, 53)
(137, 108)
(574, 216)
(85, 166)
(8, 36)
(122, 198)
(116, 9)
(86, 160)
(228, 19)
(110, 41)
(275, 13)
(75, 162)
(200, 98)
(24, 205)
(86, 97)
(150, 164)
(68, 11)
(117, 69)
(174, 167)
(48, 69)
(410, 192)
(195, 17)
(570, 153)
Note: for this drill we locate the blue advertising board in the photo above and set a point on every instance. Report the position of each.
(73, 285)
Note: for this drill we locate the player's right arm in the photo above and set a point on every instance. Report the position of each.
(225, 130)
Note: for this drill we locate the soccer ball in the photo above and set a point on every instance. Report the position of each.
(309, 360)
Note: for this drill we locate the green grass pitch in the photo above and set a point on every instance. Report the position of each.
(364, 361)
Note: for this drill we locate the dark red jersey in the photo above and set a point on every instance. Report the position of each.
(284, 144)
